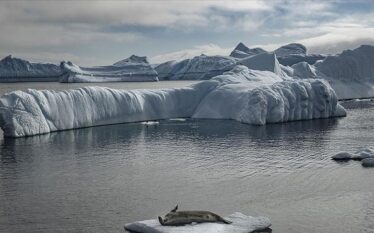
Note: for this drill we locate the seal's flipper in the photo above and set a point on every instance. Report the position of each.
(175, 209)
(161, 220)
(225, 221)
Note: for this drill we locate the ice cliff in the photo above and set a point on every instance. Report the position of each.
(248, 96)
(18, 70)
(132, 69)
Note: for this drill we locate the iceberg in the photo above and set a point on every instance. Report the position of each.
(351, 73)
(249, 96)
(132, 69)
(242, 51)
(293, 53)
(287, 55)
(198, 68)
(18, 70)
(240, 224)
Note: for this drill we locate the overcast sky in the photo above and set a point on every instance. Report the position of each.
(102, 32)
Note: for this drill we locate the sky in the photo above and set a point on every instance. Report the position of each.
(103, 32)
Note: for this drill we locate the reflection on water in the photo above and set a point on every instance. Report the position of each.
(97, 179)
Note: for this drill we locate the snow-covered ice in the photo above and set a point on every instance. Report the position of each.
(132, 69)
(242, 51)
(248, 96)
(351, 73)
(18, 70)
(240, 224)
(198, 68)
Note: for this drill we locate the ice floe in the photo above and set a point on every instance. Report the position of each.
(240, 224)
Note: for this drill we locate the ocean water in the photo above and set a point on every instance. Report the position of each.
(97, 179)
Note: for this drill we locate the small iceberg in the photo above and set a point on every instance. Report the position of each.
(365, 155)
(149, 123)
(241, 223)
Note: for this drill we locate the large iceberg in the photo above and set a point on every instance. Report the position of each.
(351, 73)
(198, 68)
(132, 69)
(249, 96)
(18, 70)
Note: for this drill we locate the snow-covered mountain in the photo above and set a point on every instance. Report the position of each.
(132, 69)
(242, 51)
(198, 68)
(18, 70)
(248, 96)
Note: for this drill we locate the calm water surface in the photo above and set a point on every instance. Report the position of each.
(98, 179)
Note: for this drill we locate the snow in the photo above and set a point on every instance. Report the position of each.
(292, 59)
(19, 70)
(132, 69)
(198, 68)
(242, 51)
(240, 224)
(248, 96)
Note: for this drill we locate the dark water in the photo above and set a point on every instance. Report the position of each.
(98, 179)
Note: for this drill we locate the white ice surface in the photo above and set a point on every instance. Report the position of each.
(19, 70)
(351, 73)
(249, 96)
(198, 68)
(242, 51)
(240, 224)
(132, 69)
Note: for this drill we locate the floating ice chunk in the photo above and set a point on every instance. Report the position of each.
(368, 162)
(149, 123)
(249, 96)
(363, 154)
(342, 156)
(240, 224)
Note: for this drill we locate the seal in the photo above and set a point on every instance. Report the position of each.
(179, 218)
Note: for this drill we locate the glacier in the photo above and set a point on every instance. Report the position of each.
(249, 96)
(132, 69)
(18, 70)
